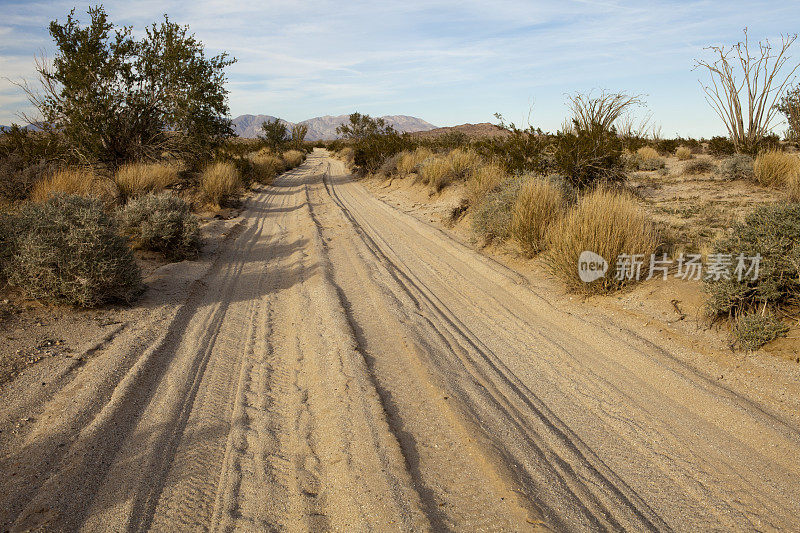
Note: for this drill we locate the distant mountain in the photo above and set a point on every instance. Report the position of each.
(474, 131)
(324, 128)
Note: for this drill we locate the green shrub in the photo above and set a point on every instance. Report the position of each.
(589, 157)
(493, 217)
(773, 231)
(754, 330)
(162, 223)
(737, 167)
(68, 249)
(721, 146)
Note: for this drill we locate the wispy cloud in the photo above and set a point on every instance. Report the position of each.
(447, 61)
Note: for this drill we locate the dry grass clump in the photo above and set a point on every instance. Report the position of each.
(484, 179)
(607, 223)
(647, 158)
(267, 166)
(462, 163)
(538, 205)
(491, 219)
(346, 154)
(135, 179)
(776, 168)
(76, 181)
(683, 153)
(435, 172)
(293, 158)
(410, 161)
(219, 182)
(700, 166)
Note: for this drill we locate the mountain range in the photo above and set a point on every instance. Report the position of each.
(324, 128)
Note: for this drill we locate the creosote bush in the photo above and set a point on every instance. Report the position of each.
(607, 223)
(161, 223)
(219, 182)
(539, 203)
(134, 179)
(736, 167)
(68, 249)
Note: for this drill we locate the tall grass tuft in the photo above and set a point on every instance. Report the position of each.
(484, 179)
(462, 164)
(538, 205)
(435, 172)
(607, 223)
(683, 153)
(776, 168)
(267, 166)
(219, 182)
(409, 162)
(135, 179)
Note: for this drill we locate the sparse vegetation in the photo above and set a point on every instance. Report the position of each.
(219, 182)
(607, 223)
(68, 249)
(161, 223)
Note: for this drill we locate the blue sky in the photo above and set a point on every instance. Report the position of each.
(446, 62)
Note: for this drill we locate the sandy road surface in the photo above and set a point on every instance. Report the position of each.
(343, 366)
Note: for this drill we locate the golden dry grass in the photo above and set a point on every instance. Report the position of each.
(409, 161)
(74, 180)
(776, 168)
(483, 179)
(607, 223)
(293, 158)
(135, 179)
(435, 172)
(462, 163)
(647, 153)
(683, 153)
(268, 166)
(538, 205)
(219, 182)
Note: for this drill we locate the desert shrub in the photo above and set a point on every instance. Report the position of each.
(266, 166)
(18, 178)
(161, 223)
(135, 179)
(462, 163)
(700, 166)
(68, 249)
(721, 146)
(589, 157)
(6, 234)
(74, 181)
(219, 182)
(389, 166)
(775, 168)
(773, 232)
(372, 139)
(683, 153)
(293, 158)
(667, 146)
(409, 161)
(607, 223)
(736, 167)
(754, 330)
(484, 179)
(346, 154)
(491, 219)
(538, 204)
(435, 172)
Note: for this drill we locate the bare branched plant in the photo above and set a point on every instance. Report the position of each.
(746, 86)
(602, 111)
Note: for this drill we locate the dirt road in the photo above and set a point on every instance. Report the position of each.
(343, 366)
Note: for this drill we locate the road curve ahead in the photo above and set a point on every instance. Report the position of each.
(344, 366)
